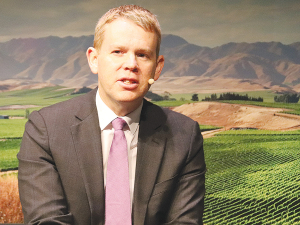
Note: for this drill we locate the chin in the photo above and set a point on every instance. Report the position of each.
(130, 96)
(128, 99)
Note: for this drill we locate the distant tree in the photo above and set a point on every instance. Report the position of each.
(232, 96)
(260, 99)
(287, 98)
(166, 95)
(82, 90)
(182, 99)
(213, 97)
(195, 97)
(153, 96)
(293, 98)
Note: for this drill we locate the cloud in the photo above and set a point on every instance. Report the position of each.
(205, 22)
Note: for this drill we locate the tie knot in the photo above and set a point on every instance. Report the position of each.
(118, 123)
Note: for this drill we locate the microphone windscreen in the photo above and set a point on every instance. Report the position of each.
(151, 81)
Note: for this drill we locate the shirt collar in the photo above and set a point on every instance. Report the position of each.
(106, 116)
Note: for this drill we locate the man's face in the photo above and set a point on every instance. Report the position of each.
(125, 62)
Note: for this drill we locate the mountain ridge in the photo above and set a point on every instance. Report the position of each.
(62, 61)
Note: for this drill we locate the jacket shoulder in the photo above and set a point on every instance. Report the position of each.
(84, 102)
(168, 116)
(176, 115)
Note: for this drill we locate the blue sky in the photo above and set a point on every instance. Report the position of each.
(202, 22)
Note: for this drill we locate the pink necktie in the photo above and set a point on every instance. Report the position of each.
(117, 197)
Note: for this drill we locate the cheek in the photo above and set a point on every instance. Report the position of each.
(109, 63)
(149, 71)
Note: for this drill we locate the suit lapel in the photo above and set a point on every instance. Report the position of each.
(150, 149)
(87, 140)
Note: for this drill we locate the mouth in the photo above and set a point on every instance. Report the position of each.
(127, 81)
(129, 84)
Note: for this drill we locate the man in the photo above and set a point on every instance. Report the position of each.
(64, 158)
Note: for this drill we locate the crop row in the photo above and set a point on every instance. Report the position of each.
(253, 178)
(252, 211)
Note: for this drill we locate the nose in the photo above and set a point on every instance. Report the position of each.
(131, 63)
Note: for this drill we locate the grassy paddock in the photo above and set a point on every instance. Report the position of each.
(8, 153)
(13, 112)
(38, 97)
(171, 103)
(41, 97)
(208, 127)
(252, 178)
(11, 132)
(17, 112)
(12, 128)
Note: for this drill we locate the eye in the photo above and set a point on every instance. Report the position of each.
(117, 52)
(143, 55)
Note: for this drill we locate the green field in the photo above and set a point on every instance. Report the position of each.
(12, 128)
(38, 98)
(8, 152)
(11, 132)
(208, 127)
(171, 103)
(252, 177)
(41, 97)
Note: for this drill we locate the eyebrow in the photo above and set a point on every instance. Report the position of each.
(146, 51)
(141, 50)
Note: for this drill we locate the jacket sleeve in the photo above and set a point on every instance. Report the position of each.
(188, 202)
(41, 193)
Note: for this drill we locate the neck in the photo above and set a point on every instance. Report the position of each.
(122, 108)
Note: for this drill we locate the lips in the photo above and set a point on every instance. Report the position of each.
(128, 83)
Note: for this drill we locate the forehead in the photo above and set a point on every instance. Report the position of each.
(123, 30)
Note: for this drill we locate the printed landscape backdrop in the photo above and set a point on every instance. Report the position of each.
(244, 46)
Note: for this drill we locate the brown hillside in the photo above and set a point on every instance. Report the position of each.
(234, 115)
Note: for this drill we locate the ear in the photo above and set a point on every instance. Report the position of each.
(159, 66)
(92, 57)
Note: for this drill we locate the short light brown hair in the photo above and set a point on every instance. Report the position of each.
(140, 16)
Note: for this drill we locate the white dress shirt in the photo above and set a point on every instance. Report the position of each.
(131, 130)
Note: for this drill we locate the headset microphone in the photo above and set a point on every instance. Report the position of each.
(151, 81)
